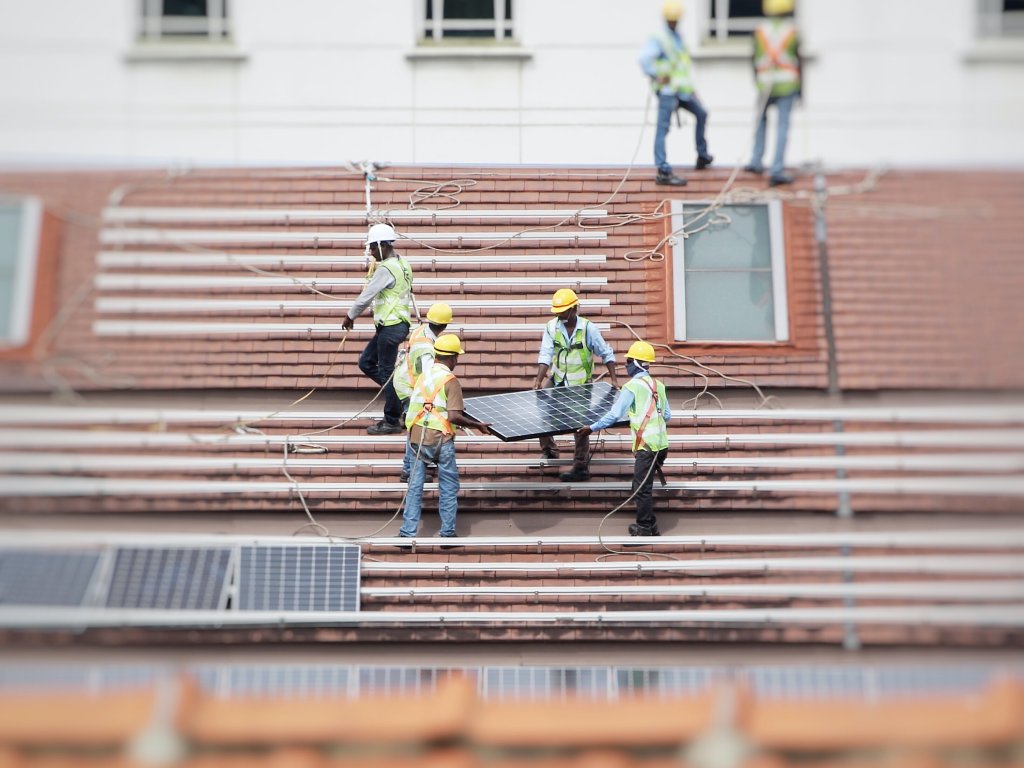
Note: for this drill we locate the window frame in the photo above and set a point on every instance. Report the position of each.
(26, 271)
(718, 27)
(993, 18)
(779, 273)
(154, 25)
(433, 29)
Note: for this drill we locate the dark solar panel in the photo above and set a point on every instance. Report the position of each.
(299, 578)
(167, 578)
(553, 411)
(37, 577)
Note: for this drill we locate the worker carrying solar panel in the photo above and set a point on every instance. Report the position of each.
(567, 351)
(644, 399)
(435, 409)
(415, 356)
(389, 288)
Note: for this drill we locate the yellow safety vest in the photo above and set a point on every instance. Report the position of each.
(775, 57)
(412, 359)
(647, 413)
(572, 362)
(428, 404)
(674, 63)
(391, 306)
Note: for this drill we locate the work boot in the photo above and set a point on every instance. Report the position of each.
(703, 162)
(780, 178)
(550, 453)
(639, 530)
(383, 427)
(575, 475)
(758, 169)
(404, 477)
(670, 179)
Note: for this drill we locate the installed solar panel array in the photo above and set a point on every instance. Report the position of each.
(182, 579)
(285, 578)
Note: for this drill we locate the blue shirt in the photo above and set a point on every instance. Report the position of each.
(595, 343)
(621, 406)
(652, 52)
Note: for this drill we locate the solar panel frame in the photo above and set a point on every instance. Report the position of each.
(322, 577)
(552, 411)
(168, 578)
(47, 577)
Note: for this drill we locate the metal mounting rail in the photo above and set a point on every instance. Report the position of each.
(221, 236)
(54, 486)
(163, 214)
(145, 259)
(64, 618)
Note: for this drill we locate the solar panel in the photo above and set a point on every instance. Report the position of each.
(37, 577)
(552, 411)
(169, 578)
(299, 578)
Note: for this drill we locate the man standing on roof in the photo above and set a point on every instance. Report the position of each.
(645, 401)
(389, 287)
(666, 61)
(416, 355)
(778, 71)
(435, 409)
(567, 350)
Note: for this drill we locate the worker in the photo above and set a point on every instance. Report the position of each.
(778, 71)
(644, 399)
(666, 61)
(567, 351)
(415, 356)
(435, 409)
(389, 288)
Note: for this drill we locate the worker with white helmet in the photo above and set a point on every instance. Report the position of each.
(778, 72)
(567, 351)
(435, 409)
(644, 400)
(389, 289)
(666, 61)
(416, 356)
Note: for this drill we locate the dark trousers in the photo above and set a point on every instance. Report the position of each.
(378, 362)
(645, 467)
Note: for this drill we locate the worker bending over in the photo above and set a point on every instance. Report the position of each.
(389, 287)
(644, 399)
(415, 356)
(435, 409)
(567, 351)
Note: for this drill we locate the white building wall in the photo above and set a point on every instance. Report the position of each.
(904, 82)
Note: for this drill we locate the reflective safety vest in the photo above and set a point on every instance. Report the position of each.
(428, 404)
(775, 59)
(413, 358)
(674, 63)
(573, 362)
(647, 414)
(391, 306)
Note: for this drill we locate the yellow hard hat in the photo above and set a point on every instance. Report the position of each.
(672, 10)
(564, 298)
(439, 314)
(448, 344)
(776, 7)
(642, 351)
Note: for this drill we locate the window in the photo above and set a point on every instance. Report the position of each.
(733, 18)
(20, 224)
(184, 20)
(475, 19)
(1001, 18)
(729, 274)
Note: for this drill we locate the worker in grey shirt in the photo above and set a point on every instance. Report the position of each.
(389, 288)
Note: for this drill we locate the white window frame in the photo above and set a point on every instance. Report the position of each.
(993, 21)
(778, 262)
(497, 22)
(719, 27)
(154, 25)
(25, 267)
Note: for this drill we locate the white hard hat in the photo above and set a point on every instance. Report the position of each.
(381, 233)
